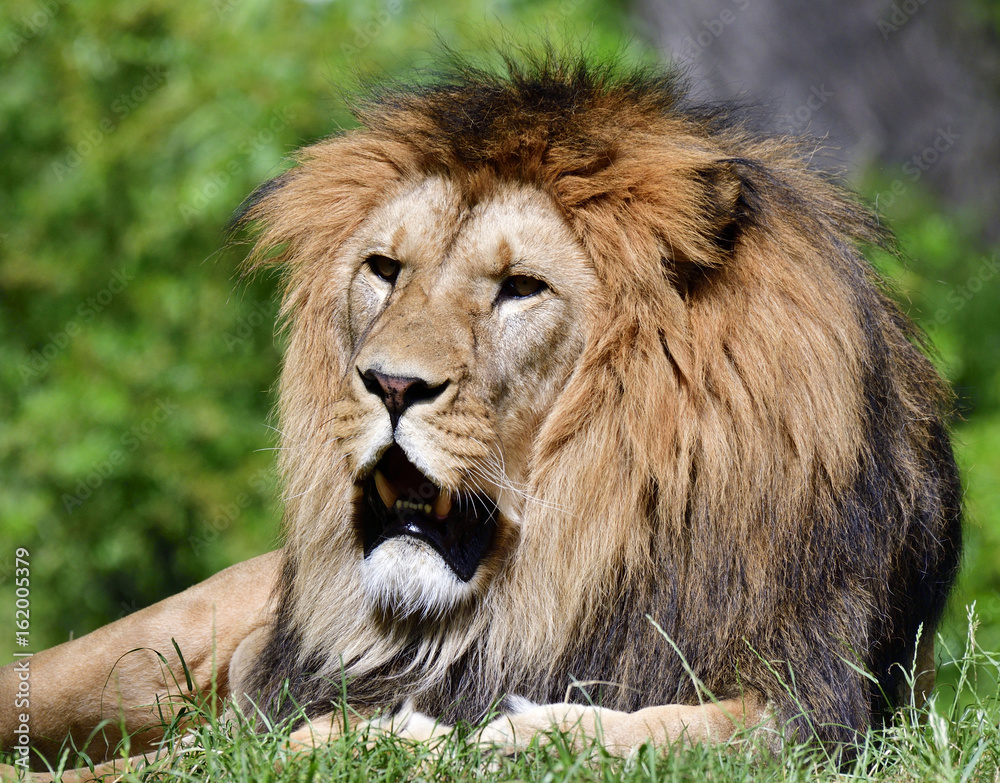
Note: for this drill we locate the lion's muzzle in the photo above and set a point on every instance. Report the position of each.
(399, 500)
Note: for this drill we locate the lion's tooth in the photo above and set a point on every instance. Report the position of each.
(385, 489)
(442, 506)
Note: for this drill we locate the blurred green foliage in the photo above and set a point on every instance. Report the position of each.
(136, 369)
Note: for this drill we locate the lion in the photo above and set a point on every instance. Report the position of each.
(593, 414)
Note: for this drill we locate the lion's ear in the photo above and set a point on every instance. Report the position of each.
(246, 212)
(722, 203)
(725, 209)
(250, 214)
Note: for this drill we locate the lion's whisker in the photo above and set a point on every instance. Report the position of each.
(503, 484)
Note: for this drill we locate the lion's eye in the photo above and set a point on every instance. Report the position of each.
(384, 267)
(521, 286)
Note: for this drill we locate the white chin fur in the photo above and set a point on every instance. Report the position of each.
(406, 576)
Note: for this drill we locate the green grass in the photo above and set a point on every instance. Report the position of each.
(954, 737)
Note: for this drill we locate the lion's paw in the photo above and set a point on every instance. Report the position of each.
(409, 724)
(515, 730)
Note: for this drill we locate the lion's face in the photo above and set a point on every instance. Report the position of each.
(461, 324)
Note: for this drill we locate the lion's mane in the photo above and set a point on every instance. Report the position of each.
(747, 474)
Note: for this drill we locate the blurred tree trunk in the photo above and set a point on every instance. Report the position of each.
(911, 86)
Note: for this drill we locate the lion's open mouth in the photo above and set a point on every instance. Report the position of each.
(399, 500)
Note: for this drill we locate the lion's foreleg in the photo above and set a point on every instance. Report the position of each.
(128, 673)
(622, 732)
(404, 722)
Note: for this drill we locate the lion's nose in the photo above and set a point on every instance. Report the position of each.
(398, 392)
